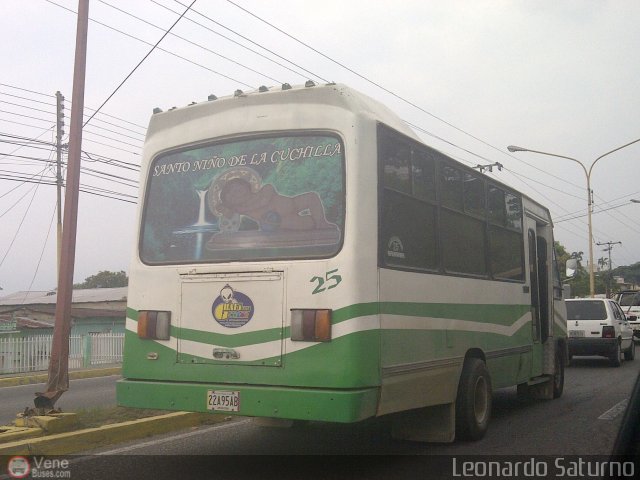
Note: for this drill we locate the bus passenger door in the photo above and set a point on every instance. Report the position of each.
(538, 285)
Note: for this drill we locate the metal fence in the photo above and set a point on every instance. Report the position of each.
(31, 354)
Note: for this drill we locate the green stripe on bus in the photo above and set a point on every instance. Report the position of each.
(231, 341)
(132, 314)
(494, 314)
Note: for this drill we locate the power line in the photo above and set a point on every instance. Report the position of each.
(26, 116)
(44, 246)
(597, 211)
(254, 43)
(28, 99)
(86, 108)
(30, 108)
(390, 92)
(18, 186)
(26, 90)
(90, 189)
(95, 157)
(158, 48)
(140, 63)
(238, 43)
(35, 190)
(191, 42)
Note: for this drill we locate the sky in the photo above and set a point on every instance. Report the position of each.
(558, 76)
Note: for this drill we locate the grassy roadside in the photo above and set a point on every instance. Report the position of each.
(98, 416)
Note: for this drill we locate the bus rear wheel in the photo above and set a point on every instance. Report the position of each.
(473, 402)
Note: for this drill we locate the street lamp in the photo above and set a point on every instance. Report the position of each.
(513, 148)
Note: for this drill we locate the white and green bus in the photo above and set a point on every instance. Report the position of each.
(302, 255)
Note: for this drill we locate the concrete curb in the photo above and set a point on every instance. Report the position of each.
(92, 438)
(73, 375)
(14, 434)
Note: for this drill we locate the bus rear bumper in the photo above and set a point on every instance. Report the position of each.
(335, 405)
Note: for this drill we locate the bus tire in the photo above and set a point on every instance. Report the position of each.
(473, 401)
(558, 376)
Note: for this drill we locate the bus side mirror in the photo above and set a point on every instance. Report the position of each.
(571, 267)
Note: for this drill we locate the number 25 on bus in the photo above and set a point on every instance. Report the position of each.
(302, 255)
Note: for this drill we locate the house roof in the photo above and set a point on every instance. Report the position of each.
(88, 295)
(19, 323)
(76, 312)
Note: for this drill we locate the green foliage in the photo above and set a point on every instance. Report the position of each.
(580, 281)
(631, 273)
(104, 279)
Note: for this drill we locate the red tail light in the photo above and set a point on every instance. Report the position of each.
(608, 332)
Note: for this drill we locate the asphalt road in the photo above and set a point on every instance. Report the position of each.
(584, 421)
(82, 394)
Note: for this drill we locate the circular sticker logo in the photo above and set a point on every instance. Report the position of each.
(232, 309)
(395, 248)
(18, 467)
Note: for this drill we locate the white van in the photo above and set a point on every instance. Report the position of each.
(597, 326)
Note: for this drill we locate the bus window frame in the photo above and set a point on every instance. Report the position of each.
(385, 133)
(240, 138)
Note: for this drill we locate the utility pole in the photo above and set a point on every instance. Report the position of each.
(59, 135)
(58, 378)
(608, 249)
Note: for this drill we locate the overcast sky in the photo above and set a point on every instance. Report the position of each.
(557, 76)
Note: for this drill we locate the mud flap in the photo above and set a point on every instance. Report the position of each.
(538, 389)
(435, 424)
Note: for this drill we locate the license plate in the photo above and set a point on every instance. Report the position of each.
(223, 401)
(576, 333)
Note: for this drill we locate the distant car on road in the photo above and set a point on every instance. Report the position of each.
(597, 326)
(629, 300)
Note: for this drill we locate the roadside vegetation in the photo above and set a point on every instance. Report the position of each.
(99, 416)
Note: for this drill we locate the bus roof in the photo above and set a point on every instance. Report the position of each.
(337, 95)
(331, 94)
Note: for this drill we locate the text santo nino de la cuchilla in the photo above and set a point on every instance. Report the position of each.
(288, 154)
(536, 468)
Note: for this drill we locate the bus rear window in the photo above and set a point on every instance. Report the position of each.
(254, 199)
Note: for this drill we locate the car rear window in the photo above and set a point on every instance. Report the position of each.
(586, 310)
(629, 299)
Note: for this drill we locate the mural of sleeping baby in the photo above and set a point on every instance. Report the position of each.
(242, 193)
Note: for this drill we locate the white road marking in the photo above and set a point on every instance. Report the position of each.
(614, 411)
(172, 438)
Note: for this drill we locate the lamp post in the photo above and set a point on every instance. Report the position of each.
(513, 148)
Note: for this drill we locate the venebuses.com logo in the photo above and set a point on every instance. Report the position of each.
(38, 467)
(18, 467)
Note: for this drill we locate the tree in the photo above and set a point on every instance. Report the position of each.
(580, 281)
(105, 279)
(630, 273)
